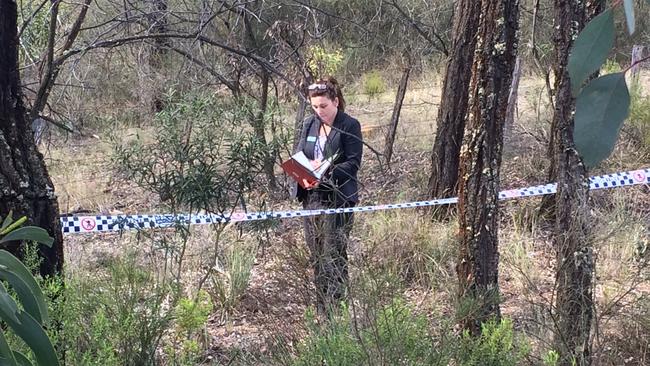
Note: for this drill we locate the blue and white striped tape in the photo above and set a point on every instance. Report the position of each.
(108, 223)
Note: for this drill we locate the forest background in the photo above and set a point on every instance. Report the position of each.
(162, 106)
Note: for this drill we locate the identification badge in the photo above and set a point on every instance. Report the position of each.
(311, 138)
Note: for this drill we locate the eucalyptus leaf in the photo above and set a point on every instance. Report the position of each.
(601, 108)
(22, 281)
(9, 305)
(21, 359)
(628, 5)
(590, 49)
(32, 233)
(6, 355)
(33, 334)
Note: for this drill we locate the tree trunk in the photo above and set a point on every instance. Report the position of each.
(159, 50)
(399, 100)
(572, 240)
(512, 97)
(25, 186)
(581, 13)
(453, 104)
(480, 162)
(258, 126)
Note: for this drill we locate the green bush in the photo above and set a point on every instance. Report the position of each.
(496, 346)
(331, 345)
(396, 336)
(113, 318)
(373, 84)
(322, 62)
(610, 66)
(191, 316)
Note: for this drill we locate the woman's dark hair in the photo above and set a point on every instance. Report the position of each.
(327, 86)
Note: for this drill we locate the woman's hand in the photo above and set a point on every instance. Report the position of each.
(307, 185)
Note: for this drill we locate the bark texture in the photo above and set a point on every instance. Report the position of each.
(572, 240)
(25, 186)
(453, 103)
(480, 162)
(569, 21)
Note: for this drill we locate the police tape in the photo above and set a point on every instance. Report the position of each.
(116, 223)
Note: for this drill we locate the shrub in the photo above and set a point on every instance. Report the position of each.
(396, 336)
(323, 62)
(373, 84)
(496, 346)
(231, 274)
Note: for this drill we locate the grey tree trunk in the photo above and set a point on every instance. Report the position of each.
(159, 50)
(259, 127)
(25, 186)
(453, 104)
(480, 162)
(394, 120)
(572, 240)
(581, 13)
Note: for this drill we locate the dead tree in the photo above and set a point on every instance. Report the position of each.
(397, 108)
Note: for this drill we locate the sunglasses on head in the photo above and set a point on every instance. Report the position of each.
(317, 87)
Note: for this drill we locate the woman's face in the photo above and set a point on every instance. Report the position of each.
(325, 108)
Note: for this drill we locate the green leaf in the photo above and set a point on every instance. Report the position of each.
(590, 49)
(32, 233)
(7, 302)
(30, 331)
(7, 221)
(13, 225)
(22, 281)
(601, 108)
(628, 5)
(6, 355)
(22, 360)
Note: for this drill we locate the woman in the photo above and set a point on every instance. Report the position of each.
(330, 132)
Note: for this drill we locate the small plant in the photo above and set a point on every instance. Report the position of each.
(496, 346)
(331, 345)
(190, 315)
(551, 358)
(28, 319)
(229, 277)
(373, 84)
(394, 335)
(609, 67)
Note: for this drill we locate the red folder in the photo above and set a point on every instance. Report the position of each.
(299, 168)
